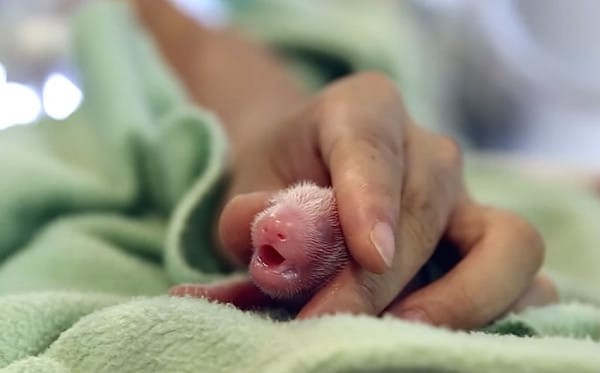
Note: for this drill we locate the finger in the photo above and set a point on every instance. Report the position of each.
(242, 293)
(541, 292)
(503, 253)
(354, 290)
(425, 213)
(254, 182)
(430, 192)
(362, 145)
(234, 225)
(357, 291)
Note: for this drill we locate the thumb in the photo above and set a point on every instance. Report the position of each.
(234, 225)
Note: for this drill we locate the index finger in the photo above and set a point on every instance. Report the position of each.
(361, 139)
(432, 188)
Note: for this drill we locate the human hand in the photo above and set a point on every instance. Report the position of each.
(399, 190)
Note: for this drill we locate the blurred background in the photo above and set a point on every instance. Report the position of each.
(521, 77)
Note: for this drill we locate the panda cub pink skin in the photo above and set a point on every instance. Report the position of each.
(298, 242)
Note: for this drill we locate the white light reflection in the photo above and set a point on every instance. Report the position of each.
(19, 104)
(212, 13)
(60, 96)
(2, 74)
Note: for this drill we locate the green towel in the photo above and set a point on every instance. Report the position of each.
(102, 212)
(325, 39)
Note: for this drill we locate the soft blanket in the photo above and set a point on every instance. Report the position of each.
(102, 212)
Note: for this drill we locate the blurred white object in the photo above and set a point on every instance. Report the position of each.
(537, 42)
(2, 74)
(532, 67)
(34, 37)
(211, 13)
(19, 104)
(60, 96)
(41, 37)
(34, 43)
(548, 58)
(34, 40)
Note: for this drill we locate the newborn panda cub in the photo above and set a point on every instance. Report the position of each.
(298, 242)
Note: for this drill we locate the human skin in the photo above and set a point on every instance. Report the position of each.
(399, 188)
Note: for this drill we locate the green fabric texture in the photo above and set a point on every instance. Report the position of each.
(566, 216)
(102, 212)
(324, 39)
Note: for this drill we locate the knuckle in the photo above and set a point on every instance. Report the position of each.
(328, 108)
(370, 143)
(378, 149)
(461, 311)
(379, 145)
(418, 226)
(549, 287)
(458, 312)
(535, 243)
(525, 236)
(374, 292)
(378, 80)
(368, 291)
(465, 310)
(421, 220)
(450, 151)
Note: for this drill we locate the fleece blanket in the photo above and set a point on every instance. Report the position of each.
(102, 212)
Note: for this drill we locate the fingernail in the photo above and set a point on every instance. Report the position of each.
(382, 238)
(414, 315)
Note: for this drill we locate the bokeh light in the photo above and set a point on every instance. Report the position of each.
(19, 104)
(60, 96)
(2, 74)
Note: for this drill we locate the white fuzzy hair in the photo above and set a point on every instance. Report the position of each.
(323, 238)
